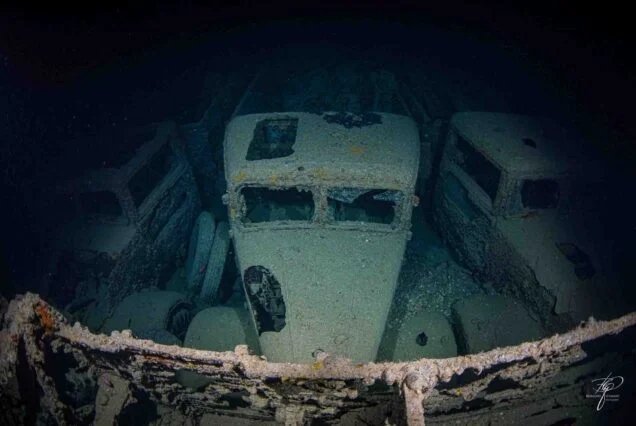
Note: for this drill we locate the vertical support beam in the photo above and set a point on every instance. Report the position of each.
(413, 404)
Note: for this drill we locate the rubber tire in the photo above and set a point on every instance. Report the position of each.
(216, 263)
(199, 248)
(218, 329)
(146, 309)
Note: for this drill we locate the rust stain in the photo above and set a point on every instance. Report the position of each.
(320, 173)
(46, 317)
(240, 177)
(356, 150)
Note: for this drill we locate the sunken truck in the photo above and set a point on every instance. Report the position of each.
(320, 213)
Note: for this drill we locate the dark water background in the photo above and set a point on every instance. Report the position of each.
(66, 75)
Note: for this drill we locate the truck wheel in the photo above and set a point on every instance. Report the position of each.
(199, 249)
(219, 329)
(161, 310)
(214, 270)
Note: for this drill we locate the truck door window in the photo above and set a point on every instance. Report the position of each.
(478, 167)
(363, 205)
(150, 175)
(268, 205)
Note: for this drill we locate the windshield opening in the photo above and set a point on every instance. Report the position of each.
(363, 205)
(269, 205)
(483, 172)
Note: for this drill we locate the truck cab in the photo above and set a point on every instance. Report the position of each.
(320, 206)
(516, 200)
(126, 222)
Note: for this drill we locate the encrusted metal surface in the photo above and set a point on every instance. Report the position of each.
(384, 154)
(35, 337)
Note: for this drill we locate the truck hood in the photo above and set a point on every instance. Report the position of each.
(337, 286)
(536, 239)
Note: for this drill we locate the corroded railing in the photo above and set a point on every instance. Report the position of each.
(523, 381)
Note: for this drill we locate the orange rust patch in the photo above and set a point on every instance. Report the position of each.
(357, 150)
(240, 177)
(46, 318)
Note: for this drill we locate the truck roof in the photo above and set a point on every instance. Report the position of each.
(524, 145)
(372, 149)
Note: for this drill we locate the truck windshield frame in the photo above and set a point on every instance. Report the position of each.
(263, 206)
(260, 204)
(364, 205)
